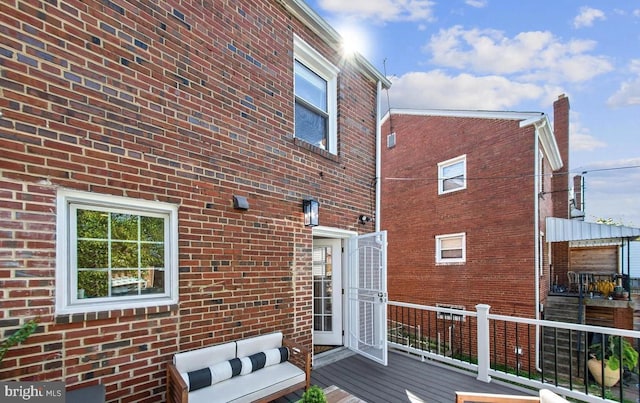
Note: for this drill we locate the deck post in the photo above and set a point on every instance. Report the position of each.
(483, 343)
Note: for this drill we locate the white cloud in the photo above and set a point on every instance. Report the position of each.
(587, 16)
(629, 92)
(382, 10)
(438, 90)
(580, 137)
(534, 55)
(477, 3)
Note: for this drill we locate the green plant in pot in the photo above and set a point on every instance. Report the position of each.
(616, 351)
(314, 394)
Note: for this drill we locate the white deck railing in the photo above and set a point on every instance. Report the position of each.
(507, 348)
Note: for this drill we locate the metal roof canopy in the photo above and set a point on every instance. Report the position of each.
(562, 229)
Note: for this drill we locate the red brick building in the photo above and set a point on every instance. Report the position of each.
(155, 156)
(465, 195)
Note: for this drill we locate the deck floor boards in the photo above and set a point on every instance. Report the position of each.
(405, 379)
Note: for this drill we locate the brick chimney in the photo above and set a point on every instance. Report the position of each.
(561, 180)
(577, 191)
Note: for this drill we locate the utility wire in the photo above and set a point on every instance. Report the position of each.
(583, 172)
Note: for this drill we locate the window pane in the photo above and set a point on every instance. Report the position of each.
(124, 226)
(92, 224)
(456, 169)
(126, 282)
(452, 254)
(310, 87)
(154, 281)
(311, 126)
(124, 254)
(453, 183)
(152, 229)
(451, 243)
(93, 283)
(92, 254)
(152, 256)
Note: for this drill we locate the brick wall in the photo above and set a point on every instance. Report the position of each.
(495, 211)
(187, 103)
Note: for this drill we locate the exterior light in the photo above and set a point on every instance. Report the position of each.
(310, 209)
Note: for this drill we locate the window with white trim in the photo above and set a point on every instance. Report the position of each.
(114, 253)
(451, 248)
(452, 175)
(449, 315)
(315, 88)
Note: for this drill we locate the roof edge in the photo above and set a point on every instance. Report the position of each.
(461, 113)
(300, 10)
(548, 140)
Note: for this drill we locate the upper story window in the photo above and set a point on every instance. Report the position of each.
(315, 87)
(114, 253)
(452, 175)
(451, 248)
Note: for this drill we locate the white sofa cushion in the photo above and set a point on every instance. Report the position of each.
(547, 396)
(247, 347)
(250, 387)
(204, 357)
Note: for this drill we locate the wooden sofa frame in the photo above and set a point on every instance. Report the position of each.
(177, 391)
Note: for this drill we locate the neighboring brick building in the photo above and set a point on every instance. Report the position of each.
(465, 195)
(127, 129)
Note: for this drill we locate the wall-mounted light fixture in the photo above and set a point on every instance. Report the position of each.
(310, 208)
(363, 219)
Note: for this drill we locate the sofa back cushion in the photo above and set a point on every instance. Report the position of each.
(204, 357)
(250, 346)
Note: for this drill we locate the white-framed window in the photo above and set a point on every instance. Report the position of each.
(114, 253)
(450, 315)
(452, 174)
(316, 97)
(451, 248)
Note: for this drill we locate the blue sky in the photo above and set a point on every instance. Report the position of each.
(518, 56)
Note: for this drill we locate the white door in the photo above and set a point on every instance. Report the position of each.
(327, 292)
(367, 296)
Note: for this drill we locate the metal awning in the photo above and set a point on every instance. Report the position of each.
(561, 230)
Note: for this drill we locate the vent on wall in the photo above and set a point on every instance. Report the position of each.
(391, 140)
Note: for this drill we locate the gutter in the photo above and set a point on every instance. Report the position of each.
(376, 217)
(536, 230)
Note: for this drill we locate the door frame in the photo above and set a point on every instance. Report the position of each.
(343, 236)
(335, 336)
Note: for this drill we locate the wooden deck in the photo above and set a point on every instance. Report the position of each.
(405, 379)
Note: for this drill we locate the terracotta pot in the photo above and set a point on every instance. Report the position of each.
(611, 377)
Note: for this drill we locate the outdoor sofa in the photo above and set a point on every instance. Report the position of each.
(257, 369)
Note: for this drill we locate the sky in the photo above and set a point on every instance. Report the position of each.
(518, 55)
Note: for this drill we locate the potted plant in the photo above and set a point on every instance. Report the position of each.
(314, 394)
(615, 351)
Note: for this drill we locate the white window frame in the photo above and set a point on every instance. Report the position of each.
(317, 63)
(452, 316)
(439, 238)
(445, 164)
(67, 302)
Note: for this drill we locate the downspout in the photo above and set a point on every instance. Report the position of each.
(536, 228)
(378, 156)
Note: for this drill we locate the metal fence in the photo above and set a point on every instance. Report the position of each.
(526, 352)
